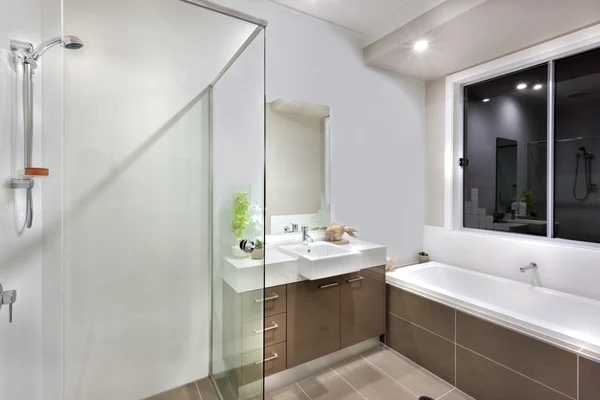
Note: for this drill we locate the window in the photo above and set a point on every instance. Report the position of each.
(505, 145)
(506, 177)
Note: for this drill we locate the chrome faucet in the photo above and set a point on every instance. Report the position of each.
(529, 266)
(305, 236)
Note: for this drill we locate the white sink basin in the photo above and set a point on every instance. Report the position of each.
(322, 260)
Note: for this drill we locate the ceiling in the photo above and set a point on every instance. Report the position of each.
(461, 33)
(372, 18)
(488, 30)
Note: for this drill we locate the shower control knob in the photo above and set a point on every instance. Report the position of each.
(247, 246)
(8, 297)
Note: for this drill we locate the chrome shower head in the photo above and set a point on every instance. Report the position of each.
(68, 42)
(72, 43)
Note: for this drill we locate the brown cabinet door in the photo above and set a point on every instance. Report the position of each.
(362, 305)
(313, 318)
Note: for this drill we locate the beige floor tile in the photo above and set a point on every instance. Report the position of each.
(409, 374)
(291, 392)
(187, 392)
(372, 383)
(456, 395)
(328, 386)
(207, 390)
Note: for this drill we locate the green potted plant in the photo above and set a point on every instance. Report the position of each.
(240, 221)
(423, 257)
(259, 251)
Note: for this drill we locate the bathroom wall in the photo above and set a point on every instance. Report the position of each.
(20, 255)
(377, 123)
(135, 193)
(435, 114)
(295, 164)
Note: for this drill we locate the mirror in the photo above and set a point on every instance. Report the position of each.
(298, 165)
(506, 173)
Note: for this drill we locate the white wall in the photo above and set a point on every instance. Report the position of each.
(295, 164)
(377, 123)
(135, 181)
(434, 152)
(20, 256)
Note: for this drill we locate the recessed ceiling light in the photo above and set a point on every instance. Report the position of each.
(485, 100)
(522, 86)
(421, 45)
(538, 86)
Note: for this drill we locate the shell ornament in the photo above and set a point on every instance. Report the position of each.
(335, 231)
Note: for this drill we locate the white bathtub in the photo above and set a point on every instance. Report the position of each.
(562, 316)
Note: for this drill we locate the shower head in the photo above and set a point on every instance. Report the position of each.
(68, 42)
(72, 43)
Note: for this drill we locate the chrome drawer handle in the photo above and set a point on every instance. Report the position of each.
(273, 357)
(273, 297)
(273, 326)
(328, 286)
(358, 278)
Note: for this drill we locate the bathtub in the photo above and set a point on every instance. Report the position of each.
(561, 316)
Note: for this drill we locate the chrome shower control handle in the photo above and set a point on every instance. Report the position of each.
(247, 246)
(8, 297)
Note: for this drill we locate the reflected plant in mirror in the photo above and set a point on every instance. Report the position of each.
(298, 135)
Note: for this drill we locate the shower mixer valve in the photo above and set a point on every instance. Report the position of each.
(8, 297)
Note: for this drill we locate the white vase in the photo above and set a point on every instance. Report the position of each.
(236, 252)
(423, 259)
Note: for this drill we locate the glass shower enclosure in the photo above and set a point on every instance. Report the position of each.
(153, 134)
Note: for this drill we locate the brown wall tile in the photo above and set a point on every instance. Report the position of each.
(428, 314)
(542, 362)
(589, 379)
(486, 380)
(426, 349)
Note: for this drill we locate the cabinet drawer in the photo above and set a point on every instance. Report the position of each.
(275, 328)
(272, 301)
(274, 361)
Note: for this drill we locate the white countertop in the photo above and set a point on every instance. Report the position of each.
(246, 274)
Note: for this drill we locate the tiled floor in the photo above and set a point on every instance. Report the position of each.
(199, 390)
(377, 375)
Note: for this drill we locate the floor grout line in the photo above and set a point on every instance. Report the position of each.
(516, 372)
(447, 393)
(417, 366)
(198, 389)
(342, 378)
(391, 377)
(419, 326)
(306, 394)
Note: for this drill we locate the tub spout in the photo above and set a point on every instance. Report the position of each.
(529, 266)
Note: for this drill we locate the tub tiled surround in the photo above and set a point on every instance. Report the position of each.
(487, 358)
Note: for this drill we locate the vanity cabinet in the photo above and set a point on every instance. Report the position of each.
(362, 305)
(313, 318)
(327, 315)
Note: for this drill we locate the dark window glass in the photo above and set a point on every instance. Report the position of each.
(505, 144)
(576, 148)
